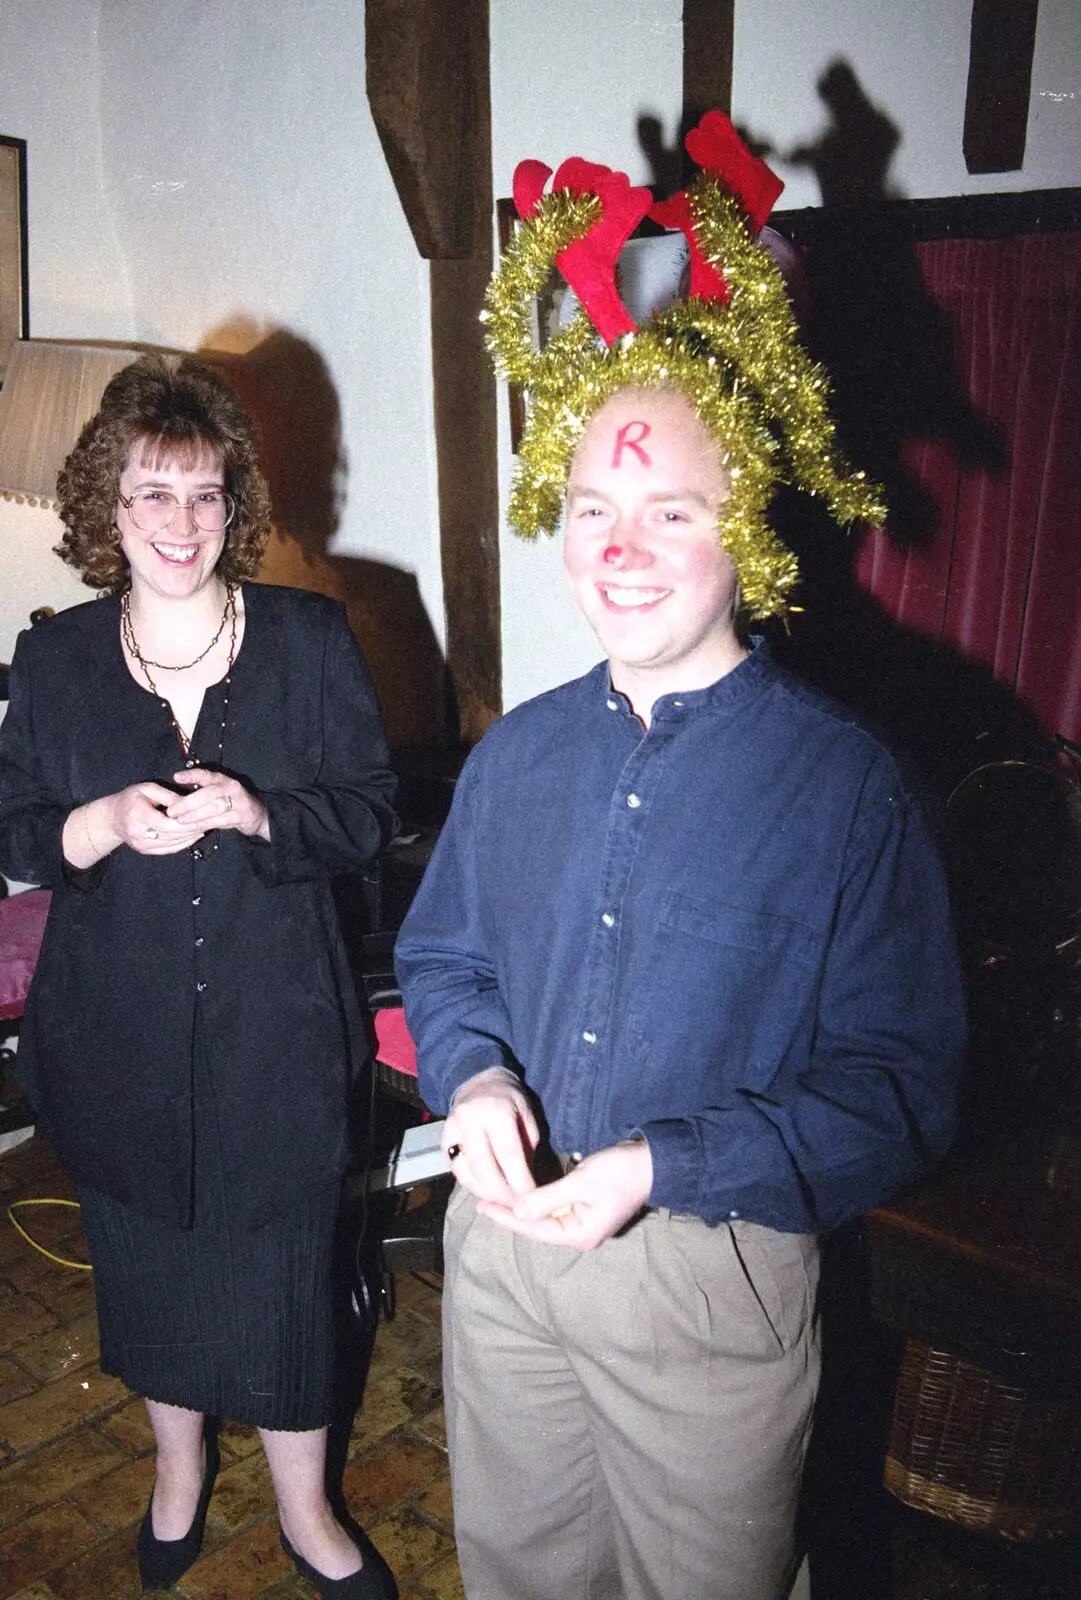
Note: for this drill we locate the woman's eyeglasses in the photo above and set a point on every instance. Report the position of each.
(153, 510)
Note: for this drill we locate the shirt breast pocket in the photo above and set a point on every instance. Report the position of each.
(722, 997)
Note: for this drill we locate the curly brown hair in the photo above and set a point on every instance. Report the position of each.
(171, 411)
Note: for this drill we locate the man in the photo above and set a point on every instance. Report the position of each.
(681, 977)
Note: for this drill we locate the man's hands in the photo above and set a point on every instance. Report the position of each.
(593, 1201)
(489, 1138)
(494, 1130)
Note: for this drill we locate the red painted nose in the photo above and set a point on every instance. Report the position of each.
(612, 555)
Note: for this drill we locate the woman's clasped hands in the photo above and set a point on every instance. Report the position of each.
(218, 801)
(154, 821)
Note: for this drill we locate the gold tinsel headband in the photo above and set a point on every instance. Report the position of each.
(731, 347)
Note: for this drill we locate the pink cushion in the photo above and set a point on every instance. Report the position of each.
(394, 1045)
(22, 923)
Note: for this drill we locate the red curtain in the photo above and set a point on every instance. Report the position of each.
(1001, 577)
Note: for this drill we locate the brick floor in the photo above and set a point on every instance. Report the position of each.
(76, 1452)
(76, 1461)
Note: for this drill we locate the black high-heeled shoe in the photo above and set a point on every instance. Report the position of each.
(374, 1581)
(163, 1561)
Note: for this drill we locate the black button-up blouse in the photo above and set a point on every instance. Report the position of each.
(230, 958)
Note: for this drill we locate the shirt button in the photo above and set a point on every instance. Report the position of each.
(200, 986)
(189, 763)
(733, 1215)
(613, 705)
(678, 704)
(608, 919)
(196, 899)
(589, 1037)
(198, 941)
(633, 801)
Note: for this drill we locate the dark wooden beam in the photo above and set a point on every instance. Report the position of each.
(420, 90)
(465, 424)
(708, 34)
(1000, 55)
(465, 431)
(428, 86)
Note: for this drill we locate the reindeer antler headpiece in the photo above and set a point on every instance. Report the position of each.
(731, 347)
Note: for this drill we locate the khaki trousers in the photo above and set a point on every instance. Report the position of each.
(628, 1423)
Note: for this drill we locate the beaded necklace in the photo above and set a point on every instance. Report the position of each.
(165, 666)
(128, 634)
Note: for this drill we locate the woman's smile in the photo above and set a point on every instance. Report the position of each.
(178, 555)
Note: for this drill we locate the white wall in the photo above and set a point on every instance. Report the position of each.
(911, 60)
(242, 191)
(49, 96)
(257, 192)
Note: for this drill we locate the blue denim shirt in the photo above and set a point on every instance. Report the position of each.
(729, 933)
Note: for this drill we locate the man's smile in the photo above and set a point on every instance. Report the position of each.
(629, 599)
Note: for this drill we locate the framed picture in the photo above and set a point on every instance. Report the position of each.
(14, 278)
(653, 268)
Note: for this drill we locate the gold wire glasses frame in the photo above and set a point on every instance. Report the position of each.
(154, 510)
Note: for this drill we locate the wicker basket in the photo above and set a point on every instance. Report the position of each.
(983, 1450)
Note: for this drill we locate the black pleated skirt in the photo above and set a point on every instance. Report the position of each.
(232, 1321)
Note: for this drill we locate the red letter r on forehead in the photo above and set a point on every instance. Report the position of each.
(624, 441)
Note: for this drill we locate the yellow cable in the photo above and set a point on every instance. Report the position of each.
(79, 1266)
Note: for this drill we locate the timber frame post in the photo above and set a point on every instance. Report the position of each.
(428, 88)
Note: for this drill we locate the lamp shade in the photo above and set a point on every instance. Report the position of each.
(51, 388)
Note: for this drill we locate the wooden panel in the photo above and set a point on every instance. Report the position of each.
(391, 626)
(999, 83)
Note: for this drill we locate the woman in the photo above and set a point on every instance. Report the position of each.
(186, 764)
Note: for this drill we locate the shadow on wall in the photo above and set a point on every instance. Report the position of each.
(889, 348)
(865, 313)
(287, 387)
(890, 352)
(891, 355)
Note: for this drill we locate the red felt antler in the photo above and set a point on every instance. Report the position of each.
(718, 149)
(589, 263)
(706, 282)
(529, 180)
